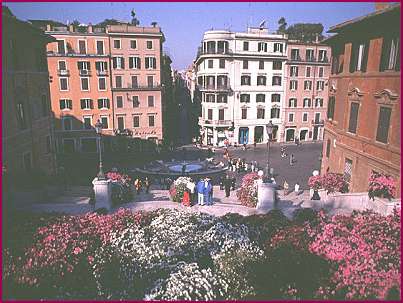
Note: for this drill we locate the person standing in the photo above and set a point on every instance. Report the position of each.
(227, 186)
(206, 192)
(291, 159)
(191, 187)
(147, 184)
(200, 192)
(285, 187)
(137, 185)
(296, 188)
(186, 198)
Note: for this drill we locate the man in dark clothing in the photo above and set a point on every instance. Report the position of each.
(227, 186)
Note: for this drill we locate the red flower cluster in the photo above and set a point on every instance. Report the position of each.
(381, 185)
(315, 182)
(247, 193)
(115, 176)
(331, 182)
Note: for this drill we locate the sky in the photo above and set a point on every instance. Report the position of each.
(183, 24)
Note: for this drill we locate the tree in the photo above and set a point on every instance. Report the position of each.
(306, 32)
(76, 23)
(282, 26)
(108, 22)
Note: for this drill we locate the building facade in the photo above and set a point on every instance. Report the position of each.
(27, 137)
(362, 129)
(306, 80)
(240, 77)
(110, 74)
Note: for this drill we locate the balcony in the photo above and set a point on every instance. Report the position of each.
(324, 60)
(318, 122)
(296, 58)
(84, 72)
(310, 59)
(102, 73)
(63, 72)
(219, 51)
(218, 88)
(72, 53)
(223, 123)
(136, 87)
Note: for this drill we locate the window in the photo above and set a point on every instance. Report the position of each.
(275, 113)
(328, 148)
(82, 47)
(348, 169)
(85, 84)
(322, 55)
(305, 117)
(150, 81)
(118, 63)
(83, 65)
(294, 71)
(244, 113)
(100, 47)
(62, 65)
(104, 122)
(69, 145)
(245, 64)
(308, 72)
(101, 84)
(119, 101)
(319, 102)
(245, 80)
(292, 102)
(151, 63)
(260, 98)
(221, 114)
(135, 101)
(87, 122)
(261, 64)
(330, 107)
(210, 114)
(307, 102)
(245, 98)
(277, 65)
(89, 145)
(276, 80)
(261, 80)
(134, 82)
(352, 124)
(149, 44)
(245, 45)
(262, 47)
(210, 63)
(64, 84)
(295, 54)
(136, 121)
(383, 124)
(210, 98)
(260, 113)
(307, 85)
(67, 123)
(275, 98)
(133, 44)
(309, 56)
(134, 63)
(278, 47)
(150, 101)
(320, 85)
(103, 103)
(121, 123)
(222, 98)
(317, 118)
(61, 47)
(21, 119)
(101, 66)
(86, 104)
(359, 57)
(65, 104)
(27, 160)
(290, 117)
(320, 72)
(151, 121)
(293, 84)
(222, 63)
(116, 44)
(118, 81)
(390, 59)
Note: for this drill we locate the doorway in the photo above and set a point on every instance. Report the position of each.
(243, 135)
(258, 134)
(290, 134)
(303, 135)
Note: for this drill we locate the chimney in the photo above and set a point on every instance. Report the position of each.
(71, 28)
(48, 27)
(90, 28)
(381, 5)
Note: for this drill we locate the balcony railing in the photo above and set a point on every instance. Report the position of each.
(215, 122)
(214, 52)
(310, 59)
(102, 72)
(84, 72)
(318, 122)
(222, 88)
(134, 86)
(296, 58)
(63, 72)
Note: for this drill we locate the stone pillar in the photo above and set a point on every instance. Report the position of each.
(266, 197)
(103, 194)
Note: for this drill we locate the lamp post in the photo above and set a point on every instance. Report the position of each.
(98, 129)
(269, 130)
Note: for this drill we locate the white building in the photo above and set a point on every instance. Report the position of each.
(241, 80)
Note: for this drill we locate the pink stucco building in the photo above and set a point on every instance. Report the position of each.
(307, 74)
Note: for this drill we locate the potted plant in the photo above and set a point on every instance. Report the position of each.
(381, 185)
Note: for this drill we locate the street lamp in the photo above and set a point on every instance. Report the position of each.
(98, 129)
(269, 130)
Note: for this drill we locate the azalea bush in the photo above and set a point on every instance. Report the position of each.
(315, 182)
(381, 185)
(178, 188)
(247, 193)
(331, 182)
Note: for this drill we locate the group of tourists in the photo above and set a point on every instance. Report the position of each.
(203, 189)
(139, 184)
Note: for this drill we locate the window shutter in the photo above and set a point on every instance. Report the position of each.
(385, 53)
(139, 63)
(353, 57)
(365, 57)
(70, 104)
(62, 104)
(114, 61)
(131, 59)
(99, 103)
(397, 66)
(82, 101)
(123, 62)
(107, 103)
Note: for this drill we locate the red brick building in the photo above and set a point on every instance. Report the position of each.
(362, 130)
